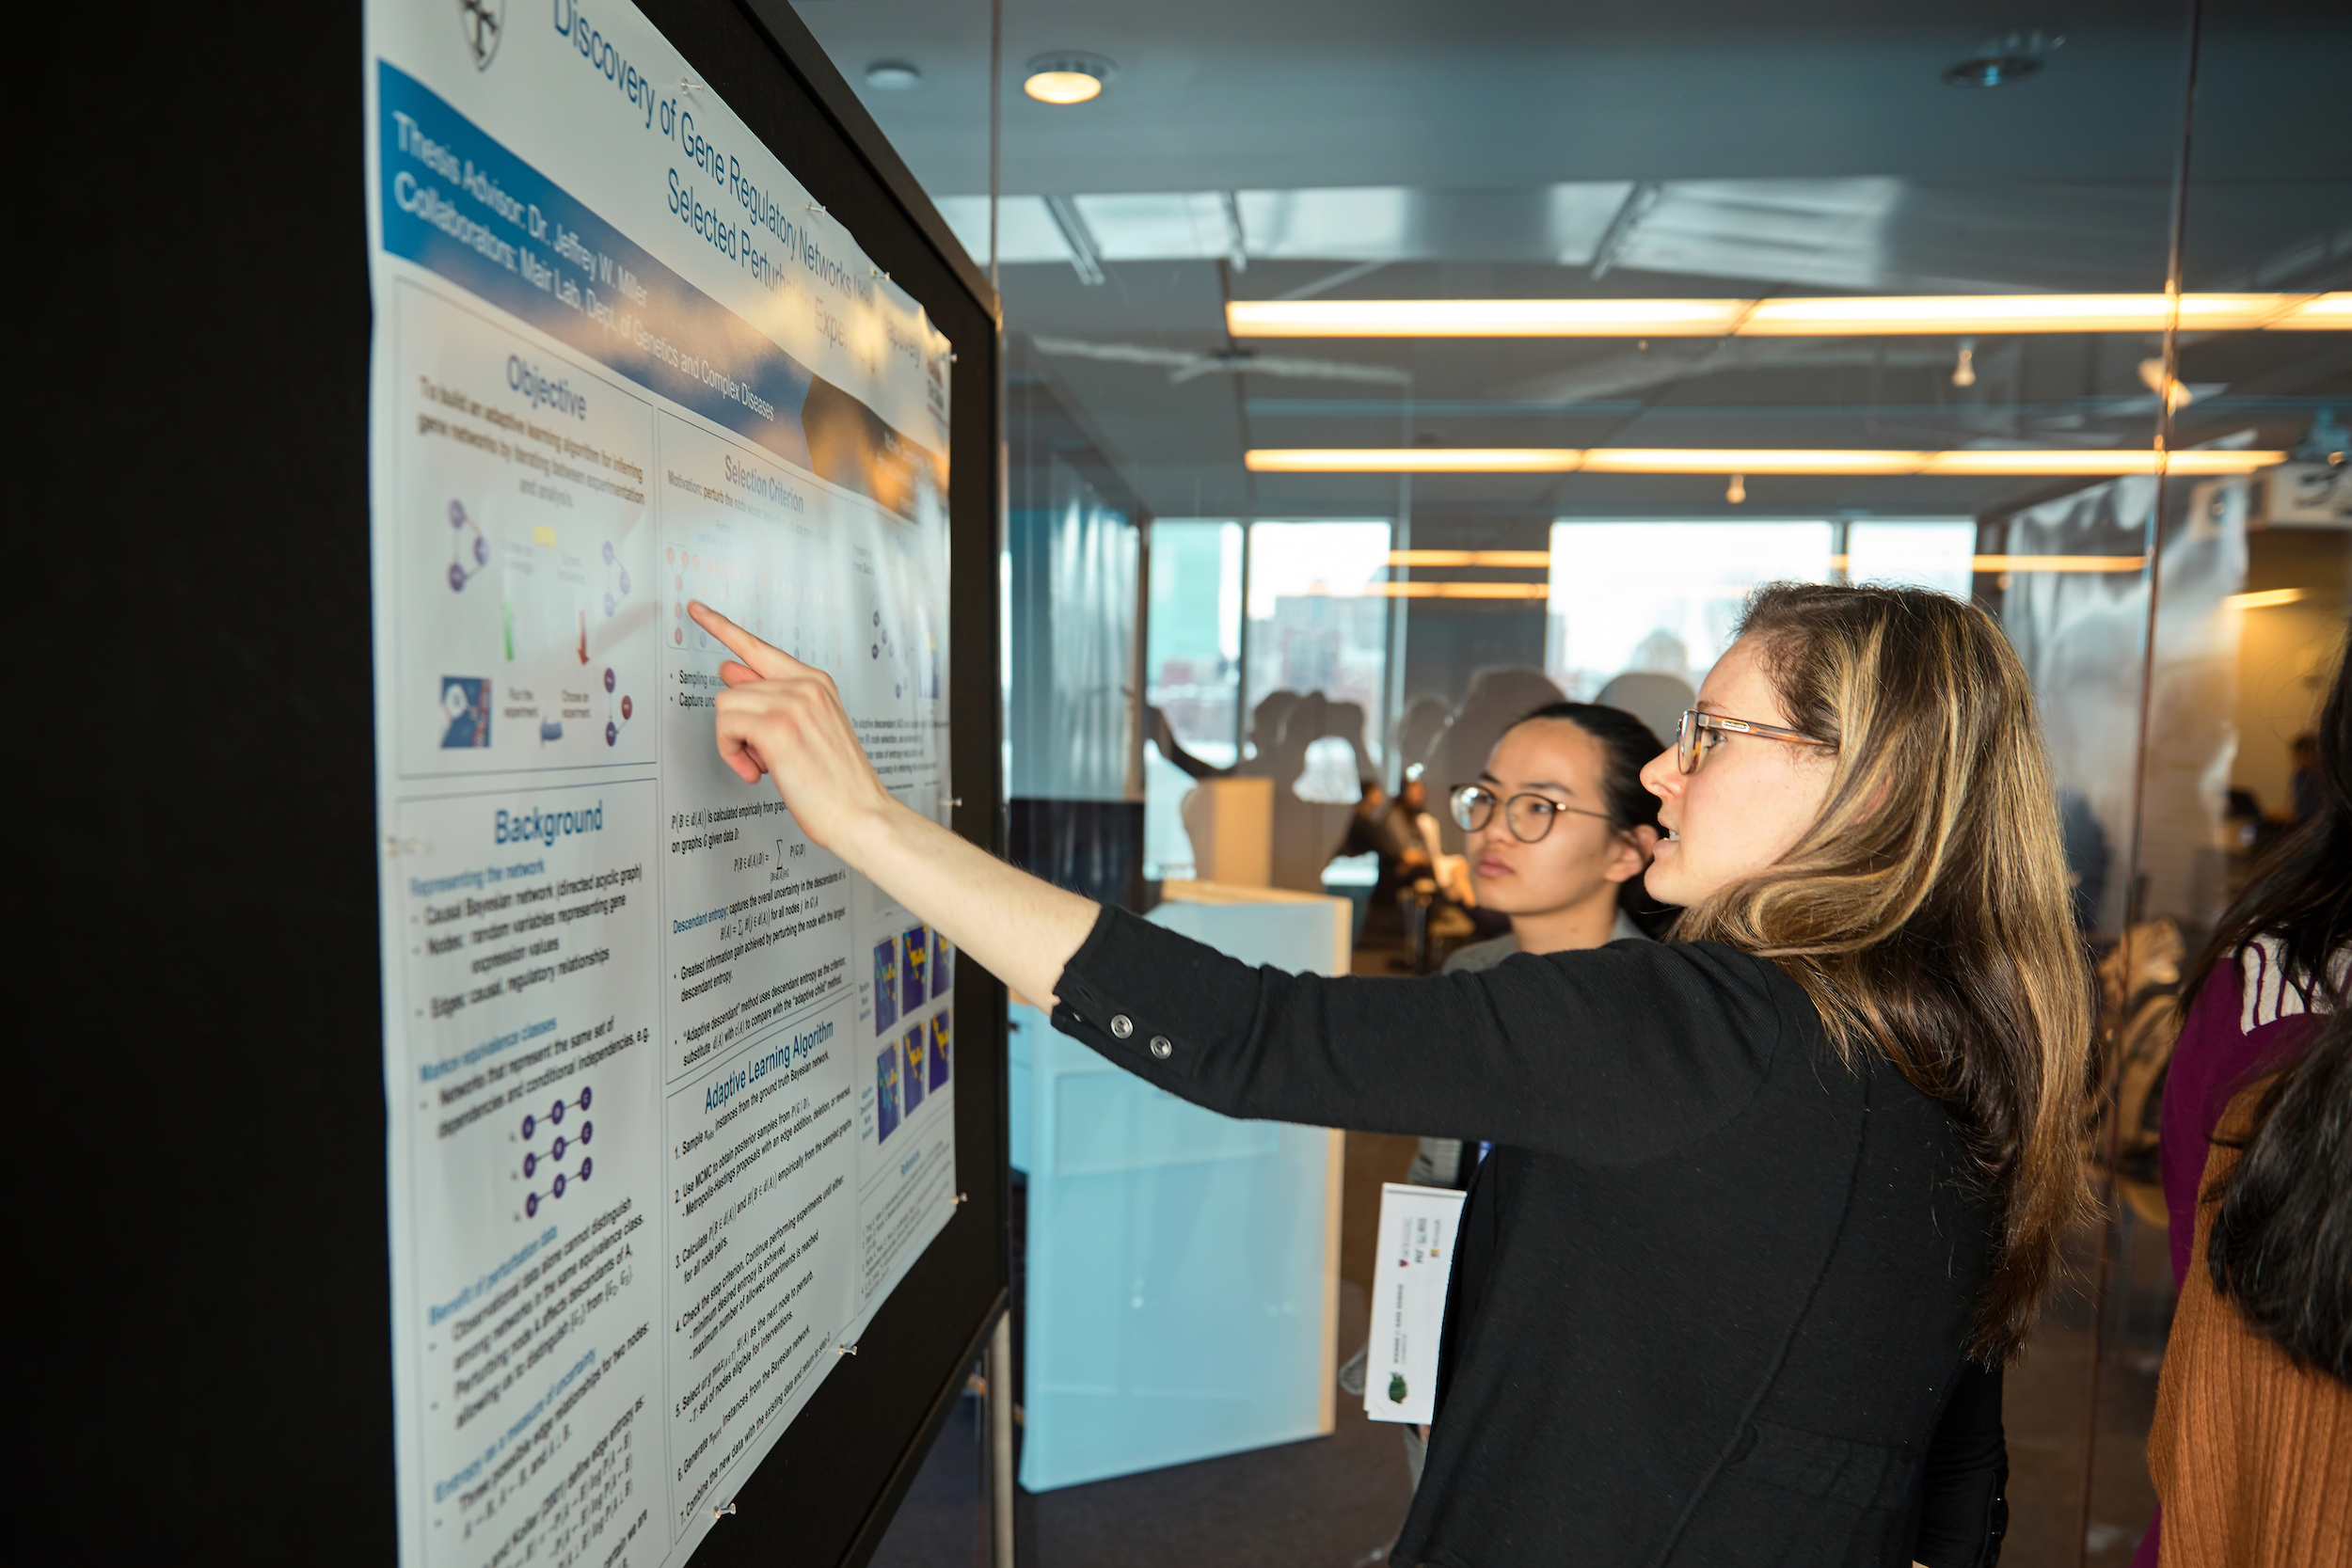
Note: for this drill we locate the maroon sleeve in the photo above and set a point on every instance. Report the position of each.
(2212, 1060)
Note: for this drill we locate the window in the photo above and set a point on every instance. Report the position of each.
(1313, 626)
(1663, 597)
(1937, 553)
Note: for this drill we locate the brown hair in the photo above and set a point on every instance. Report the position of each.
(1926, 911)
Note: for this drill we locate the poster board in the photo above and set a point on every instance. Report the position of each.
(672, 1092)
(213, 343)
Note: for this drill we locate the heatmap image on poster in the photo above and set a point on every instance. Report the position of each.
(670, 1089)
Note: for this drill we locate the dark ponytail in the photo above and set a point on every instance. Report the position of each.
(1627, 747)
(2281, 1247)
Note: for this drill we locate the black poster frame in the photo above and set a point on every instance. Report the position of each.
(826, 1492)
(205, 850)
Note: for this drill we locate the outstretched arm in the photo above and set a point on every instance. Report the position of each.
(1619, 1054)
(785, 719)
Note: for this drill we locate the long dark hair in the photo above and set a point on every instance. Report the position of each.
(2281, 1247)
(2300, 889)
(1627, 746)
(1927, 911)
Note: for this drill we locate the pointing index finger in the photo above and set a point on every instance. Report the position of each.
(767, 663)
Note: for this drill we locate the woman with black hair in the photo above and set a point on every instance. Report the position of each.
(2251, 1449)
(1559, 833)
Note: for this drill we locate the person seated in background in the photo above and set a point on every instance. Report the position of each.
(1381, 828)
(2303, 779)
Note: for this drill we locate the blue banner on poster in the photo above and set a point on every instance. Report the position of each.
(457, 201)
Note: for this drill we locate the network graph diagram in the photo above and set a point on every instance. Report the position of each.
(616, 710)
(616, 583)
(469, 552)
(543, 1164)
(558, 622)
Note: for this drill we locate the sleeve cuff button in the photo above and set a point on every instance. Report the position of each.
(1122, 1027)
(1160, 1047)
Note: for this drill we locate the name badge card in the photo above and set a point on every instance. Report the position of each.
(1418, 1230)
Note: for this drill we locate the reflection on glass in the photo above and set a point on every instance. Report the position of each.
(1192, 666)
(1192, 675)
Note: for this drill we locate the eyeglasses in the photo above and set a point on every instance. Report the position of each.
(1529, 816)
(1691, 747)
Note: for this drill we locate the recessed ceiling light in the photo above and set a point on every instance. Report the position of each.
(1066, 78)
(1992, 71)
(893, 77)
(1999, 61)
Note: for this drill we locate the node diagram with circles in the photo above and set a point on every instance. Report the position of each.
(616, 711)
(552, 620)
(542, 1174)
(469, 552)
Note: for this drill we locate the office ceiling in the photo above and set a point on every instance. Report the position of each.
(1373, 149)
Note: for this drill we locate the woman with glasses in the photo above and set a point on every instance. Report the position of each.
(1560, 830)
(1760, 1196)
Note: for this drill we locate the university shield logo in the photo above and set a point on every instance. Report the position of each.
(484, 22)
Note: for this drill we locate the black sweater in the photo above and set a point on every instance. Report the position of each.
(1712, 1286)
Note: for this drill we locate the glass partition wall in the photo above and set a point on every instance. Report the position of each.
(1379, 375)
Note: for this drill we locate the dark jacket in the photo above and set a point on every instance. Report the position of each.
(1712, 1288)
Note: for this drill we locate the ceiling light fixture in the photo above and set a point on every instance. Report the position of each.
(1741, 462)
(1999, 61)
(1736, 491)
(2270, 598)
(1965, 371)
(1513, 559)
(1865, 315)
(1066, 78)
(1988, 565)
(1454, 590)
(893, 77)
(2170, 387)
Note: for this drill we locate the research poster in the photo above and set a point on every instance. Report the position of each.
(671, 1090)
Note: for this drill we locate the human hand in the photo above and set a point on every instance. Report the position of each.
(785, 719)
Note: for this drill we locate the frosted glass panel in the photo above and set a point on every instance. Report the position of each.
(1176, 1276)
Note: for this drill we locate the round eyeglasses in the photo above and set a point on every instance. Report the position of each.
(1528, 817)
(1701, 733)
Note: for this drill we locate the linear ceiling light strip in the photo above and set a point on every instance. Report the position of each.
(1858, 316)
(1694, 460)
(1513, 559)
(1983, 564)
